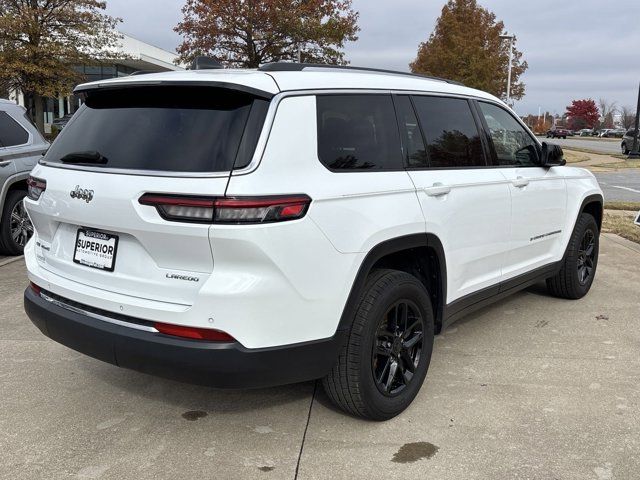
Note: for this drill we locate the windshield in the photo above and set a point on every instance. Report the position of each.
(164, 128)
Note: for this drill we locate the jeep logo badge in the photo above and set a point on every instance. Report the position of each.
(82, 194)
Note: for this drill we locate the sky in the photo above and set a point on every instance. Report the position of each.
(575, 48)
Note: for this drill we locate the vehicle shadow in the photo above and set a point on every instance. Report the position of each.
(197, 397)
(230, 401)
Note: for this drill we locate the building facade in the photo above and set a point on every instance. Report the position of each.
(131, 55)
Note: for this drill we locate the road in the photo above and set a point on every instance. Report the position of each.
(621, 185)
(531, 387)
(606, 146)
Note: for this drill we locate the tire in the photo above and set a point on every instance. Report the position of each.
(9, 222)
(579, 260)
(625, 150)
(353, 383)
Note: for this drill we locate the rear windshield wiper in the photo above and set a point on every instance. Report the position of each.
(89, 156)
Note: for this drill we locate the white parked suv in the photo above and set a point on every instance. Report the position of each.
(246, 228)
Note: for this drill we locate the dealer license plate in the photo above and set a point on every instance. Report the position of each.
(96, 249)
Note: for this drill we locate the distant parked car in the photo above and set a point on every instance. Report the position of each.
(614, 133)
(627, 141)
(60, 123)
(586, 132)
(558, 132)
(610, 133)
(21, 146)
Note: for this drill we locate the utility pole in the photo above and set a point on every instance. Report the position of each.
(634, 153)
(510, 38)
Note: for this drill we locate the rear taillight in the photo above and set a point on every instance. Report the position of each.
(35, 288)
(35, 187)
(228, 210)
(193, 332)
(180, 209)
(260, 209)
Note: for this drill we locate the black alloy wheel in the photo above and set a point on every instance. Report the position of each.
(578, 267)
(586, 257)
(397, 349)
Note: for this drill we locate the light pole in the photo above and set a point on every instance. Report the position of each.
(510, 38)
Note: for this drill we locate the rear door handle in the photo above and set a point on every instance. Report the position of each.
(4, 163)
(520, 182)
(437, 189)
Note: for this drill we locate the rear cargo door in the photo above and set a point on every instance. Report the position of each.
(168, 141)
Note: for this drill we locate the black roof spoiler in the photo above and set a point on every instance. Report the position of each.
(87, 89)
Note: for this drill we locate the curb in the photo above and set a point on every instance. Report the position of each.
(10, 260)
(623, 241)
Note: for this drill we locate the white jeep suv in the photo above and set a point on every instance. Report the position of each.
(247, 228)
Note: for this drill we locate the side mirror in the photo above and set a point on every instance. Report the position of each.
(552, 155)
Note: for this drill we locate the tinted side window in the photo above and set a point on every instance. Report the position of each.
(358, 132)
(11, 133)
(512, 143)
(414, 149)
(452, 136)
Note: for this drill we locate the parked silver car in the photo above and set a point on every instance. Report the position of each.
(21, 146)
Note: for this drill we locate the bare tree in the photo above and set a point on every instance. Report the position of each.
(607, 109)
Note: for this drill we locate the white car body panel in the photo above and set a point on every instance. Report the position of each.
(538, 210)
(460, 219)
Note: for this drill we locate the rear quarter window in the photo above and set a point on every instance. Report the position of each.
(165, 128)
(11, 132)
(358, 132)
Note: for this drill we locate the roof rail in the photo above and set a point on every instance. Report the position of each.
(299, 67)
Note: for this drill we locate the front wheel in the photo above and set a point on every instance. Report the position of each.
(578, 270)
(15, 226)
(386, 357)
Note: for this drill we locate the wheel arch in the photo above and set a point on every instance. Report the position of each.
(421, 255)
(593, 205)
(15, 182)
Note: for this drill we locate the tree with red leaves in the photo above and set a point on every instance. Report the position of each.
(248, 33)
(583, 114)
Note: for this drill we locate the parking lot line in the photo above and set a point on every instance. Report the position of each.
(626, 188)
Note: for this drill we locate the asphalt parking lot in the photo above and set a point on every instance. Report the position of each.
(599, 145)
(532, 387)
(620, 185)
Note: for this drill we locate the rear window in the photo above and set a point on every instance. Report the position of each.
(167, 128)
(358, 132)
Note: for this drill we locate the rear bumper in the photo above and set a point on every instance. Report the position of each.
(224, 365)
